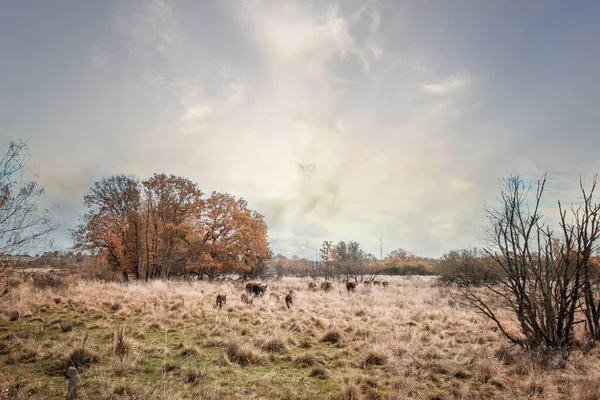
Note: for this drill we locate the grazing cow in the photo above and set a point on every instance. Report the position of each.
(326, 286)
(350, 286)
(256, 289)
(221, 300)
(246, 299)
(385, 283)
(289, 299)
(312, 286)
(376, 282)
(274, 296)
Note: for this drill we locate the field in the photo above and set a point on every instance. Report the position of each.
(168, 340)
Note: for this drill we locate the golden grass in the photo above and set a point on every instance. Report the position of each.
(167, 340)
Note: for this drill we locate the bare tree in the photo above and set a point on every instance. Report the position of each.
(541, 282)
(24, 224)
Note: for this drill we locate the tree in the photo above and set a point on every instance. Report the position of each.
(170, 201)
(24, 224)
(350, 260)
(228, 237)
(164, 228)
(112, 224)
(328, 257)
(543, 274)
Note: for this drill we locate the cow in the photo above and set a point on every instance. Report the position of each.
(376, 283)
(385, 283)
(326, 286)
(312, 286)
(350, 286)
(289, 299)
(221, 300)
(367, 283)
(256, 289)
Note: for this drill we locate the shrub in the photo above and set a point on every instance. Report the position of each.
(48, 281)
(468, 266)
(332, 336)
(242, 355)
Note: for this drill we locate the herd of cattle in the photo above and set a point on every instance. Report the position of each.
(255, 289)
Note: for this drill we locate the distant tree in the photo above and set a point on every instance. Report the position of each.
(327, 256)
(350, 260)
(24, 224)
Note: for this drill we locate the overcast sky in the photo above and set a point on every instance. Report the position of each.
(348, 120)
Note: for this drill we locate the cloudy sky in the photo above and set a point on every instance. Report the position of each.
(355, 119)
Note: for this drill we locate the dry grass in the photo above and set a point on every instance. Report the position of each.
(167, 340)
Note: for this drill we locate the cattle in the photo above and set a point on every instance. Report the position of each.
(256, 289)
(246, 299)
(312, 286)
(367, 283)
(385, 283)
(289, 299)
(350, 286)
(221, 300)
(376, 283)
(326, 286)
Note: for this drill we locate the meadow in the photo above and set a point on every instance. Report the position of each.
(168, 340)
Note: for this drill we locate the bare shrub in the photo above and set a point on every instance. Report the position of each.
(543, 276)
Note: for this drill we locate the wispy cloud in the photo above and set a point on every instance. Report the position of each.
(450, 85)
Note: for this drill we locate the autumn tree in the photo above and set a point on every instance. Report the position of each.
(164, 227)
(170, 201)
(111, 227)
(228, 237)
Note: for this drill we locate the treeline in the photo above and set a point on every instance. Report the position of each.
(348, 261)
(165, 227)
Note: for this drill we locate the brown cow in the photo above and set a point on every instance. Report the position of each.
(367, 283)
(221, 300)
(385, 283)
(376, 282)
(312, 286)
(326, 286)
(289, 299)
(256, 289)
(350, 286)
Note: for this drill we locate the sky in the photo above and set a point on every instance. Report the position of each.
(348, 120)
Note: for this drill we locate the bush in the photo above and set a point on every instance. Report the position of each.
(48, 281)
(242, 355)
(332, 336)
(469, 267)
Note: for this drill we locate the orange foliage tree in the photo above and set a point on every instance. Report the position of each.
(164, 227)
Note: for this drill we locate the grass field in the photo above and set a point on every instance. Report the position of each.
(168, 340)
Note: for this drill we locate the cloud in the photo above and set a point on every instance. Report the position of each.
(450, 85)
